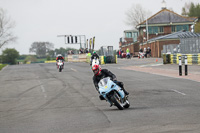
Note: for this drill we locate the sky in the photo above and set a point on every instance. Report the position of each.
(44, 20)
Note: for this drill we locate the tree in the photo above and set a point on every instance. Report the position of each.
(192, 10)
(6, 26)
(61, 51)
(51, 53)
(185, 9)
(197, 27)
(41, 48)
(30, 58)
(135, 15)
(9, 56)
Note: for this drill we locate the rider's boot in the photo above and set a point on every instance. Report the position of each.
(126, 92)
(101, 97)
(122, 86)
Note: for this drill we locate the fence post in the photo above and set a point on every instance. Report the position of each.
(186, 69)
(180, 66)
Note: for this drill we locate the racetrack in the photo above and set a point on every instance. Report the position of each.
(36, 98)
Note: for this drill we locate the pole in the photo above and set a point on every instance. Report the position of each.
(180, 66)
(186, 68)
(147, 29)
(80, 42)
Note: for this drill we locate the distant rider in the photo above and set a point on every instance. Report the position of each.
(60, 57)
(103, 73)
(94, 56)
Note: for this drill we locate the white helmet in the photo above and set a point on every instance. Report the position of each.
(59, 55)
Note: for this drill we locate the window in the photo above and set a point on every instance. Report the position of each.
(160, 29)
(176, 28)
(135, 35)
(128, 34)
(173, 28)
(153, 30)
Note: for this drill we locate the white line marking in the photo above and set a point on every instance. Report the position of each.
(178, 92)
(43, 90)
(74, 70)
(151, 65)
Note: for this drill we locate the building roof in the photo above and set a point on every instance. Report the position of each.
(131, 31)
(166, 16)
(174, 35)
(189, 35)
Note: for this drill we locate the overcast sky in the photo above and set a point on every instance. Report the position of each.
(43, 20)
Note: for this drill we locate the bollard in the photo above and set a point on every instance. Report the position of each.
(186, 68)
(180, 66)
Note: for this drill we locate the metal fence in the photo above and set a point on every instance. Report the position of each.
(190, 43)
(171, 49)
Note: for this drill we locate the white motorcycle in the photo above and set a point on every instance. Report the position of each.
(140, 55)
(95, 61)
(60, 65)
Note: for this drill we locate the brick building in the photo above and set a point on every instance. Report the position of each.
(153, 32)
(130, 41)
(155, 29)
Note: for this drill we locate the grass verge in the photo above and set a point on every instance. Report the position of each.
(2, 66)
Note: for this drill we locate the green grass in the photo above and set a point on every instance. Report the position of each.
(38, 60)
(2, 66)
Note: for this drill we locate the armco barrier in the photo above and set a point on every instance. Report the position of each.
(174, 58)
(166, 58)
(50, 61)
(189, 59)
(199, 59)
(102, 59)
(171, 58)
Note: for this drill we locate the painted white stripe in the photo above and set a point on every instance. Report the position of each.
(74, 70)
(43, 90)
(150, 65)
(178, 92)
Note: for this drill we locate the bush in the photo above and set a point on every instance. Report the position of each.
(9, 56)
(48, 57)
(30, 58)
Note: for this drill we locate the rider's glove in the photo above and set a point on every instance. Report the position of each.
(114, 79)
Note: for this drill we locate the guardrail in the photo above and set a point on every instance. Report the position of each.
(173, 58)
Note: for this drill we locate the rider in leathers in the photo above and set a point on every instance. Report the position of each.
(94, 56)
(102, 73)
(60, 57)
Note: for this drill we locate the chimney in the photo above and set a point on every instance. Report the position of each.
(164, 4)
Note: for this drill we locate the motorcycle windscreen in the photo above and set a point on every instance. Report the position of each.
(103, 82)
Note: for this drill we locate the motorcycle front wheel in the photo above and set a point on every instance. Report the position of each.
(60, 69)
(117, 101)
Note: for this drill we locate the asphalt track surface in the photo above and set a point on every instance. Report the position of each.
(36, 98)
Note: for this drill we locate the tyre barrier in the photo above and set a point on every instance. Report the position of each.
(174, 58)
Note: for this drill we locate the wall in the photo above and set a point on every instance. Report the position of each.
(77, 58)
(134, 48)
(157, 46)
